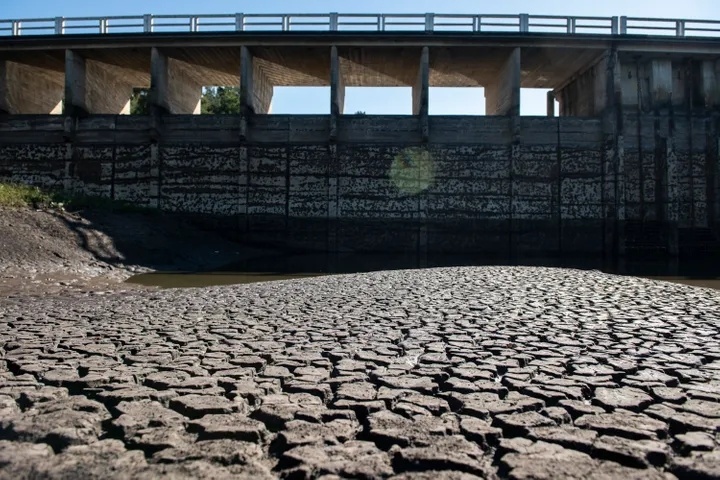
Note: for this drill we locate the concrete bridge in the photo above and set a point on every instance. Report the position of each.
(629, 161)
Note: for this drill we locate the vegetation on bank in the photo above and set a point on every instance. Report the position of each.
(16, 195)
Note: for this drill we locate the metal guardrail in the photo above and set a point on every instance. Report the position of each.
(334, 22)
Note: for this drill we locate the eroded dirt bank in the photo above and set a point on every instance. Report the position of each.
(53, 251)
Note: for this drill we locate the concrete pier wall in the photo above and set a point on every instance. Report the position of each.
(518, 185)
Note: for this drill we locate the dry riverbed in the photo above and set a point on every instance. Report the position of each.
(445, 373)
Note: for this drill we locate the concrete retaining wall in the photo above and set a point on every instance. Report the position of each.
(519, 185)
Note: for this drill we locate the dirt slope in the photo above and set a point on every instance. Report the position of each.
(97, 249)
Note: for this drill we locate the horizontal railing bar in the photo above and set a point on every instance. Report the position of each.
(688, 20)
(650, 27)
(217, 24)
(560, 17)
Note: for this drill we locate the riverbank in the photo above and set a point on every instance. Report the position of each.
(50, 250)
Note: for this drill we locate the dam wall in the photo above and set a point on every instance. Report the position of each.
(485, 184)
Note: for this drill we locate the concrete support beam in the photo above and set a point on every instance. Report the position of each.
(660, 73)
(421, 88)
(173, 87)
(256, 91)
(421, 94)
(550, 104)
(613, 163)
(337, 84)
(25, 89)
(95, 87)
(503, 96)
(710, 83)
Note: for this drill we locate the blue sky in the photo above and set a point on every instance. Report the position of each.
(373, 100)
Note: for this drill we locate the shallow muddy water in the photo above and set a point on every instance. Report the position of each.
(702, 273)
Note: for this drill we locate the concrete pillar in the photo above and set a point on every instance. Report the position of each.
(26, 89)
(95, 87)
(661, 83)
(613, 156)
(173, 88)
(337, 84)
(710, 83)
(256, 91)
(421, 88)
(503, 96)
(550, 104)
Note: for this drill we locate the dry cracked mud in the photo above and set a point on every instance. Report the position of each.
(451, 373)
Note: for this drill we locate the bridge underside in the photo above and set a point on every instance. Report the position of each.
(631, 162)
(98, 75)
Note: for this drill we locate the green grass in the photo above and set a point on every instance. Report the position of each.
(17, 195)
(13, 195)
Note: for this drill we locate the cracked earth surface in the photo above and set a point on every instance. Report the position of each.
(491, 372)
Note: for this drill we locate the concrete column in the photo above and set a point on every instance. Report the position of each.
(421, 94)
(337, 84)
(25, 89)
(503, 96)
(256, 91)
(173, 88)
(710, 83)
(661, 83)
(421, 89)
(550, 104)
(95, 87)
(613, 156)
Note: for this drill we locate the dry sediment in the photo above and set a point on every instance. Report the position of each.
(495, 372)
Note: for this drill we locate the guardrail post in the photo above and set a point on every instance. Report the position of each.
(103, 25)
(614, 25)
(571, 25)
(623, 25)
(524, 22)
(59, 25)
(285, 23)
(680, 28)
(429, 22)
(16, 28)
(333, 22)
(193, 24)
(239, 22)
(147, 23)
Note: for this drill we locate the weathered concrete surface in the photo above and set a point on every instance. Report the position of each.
(174, 87)
(656, 72)
(286, 181)
(347, 182)
(493, 372)
(502, 96)
(92, 86)
(30, 89)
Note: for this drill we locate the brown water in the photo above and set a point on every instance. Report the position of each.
(700, 273)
